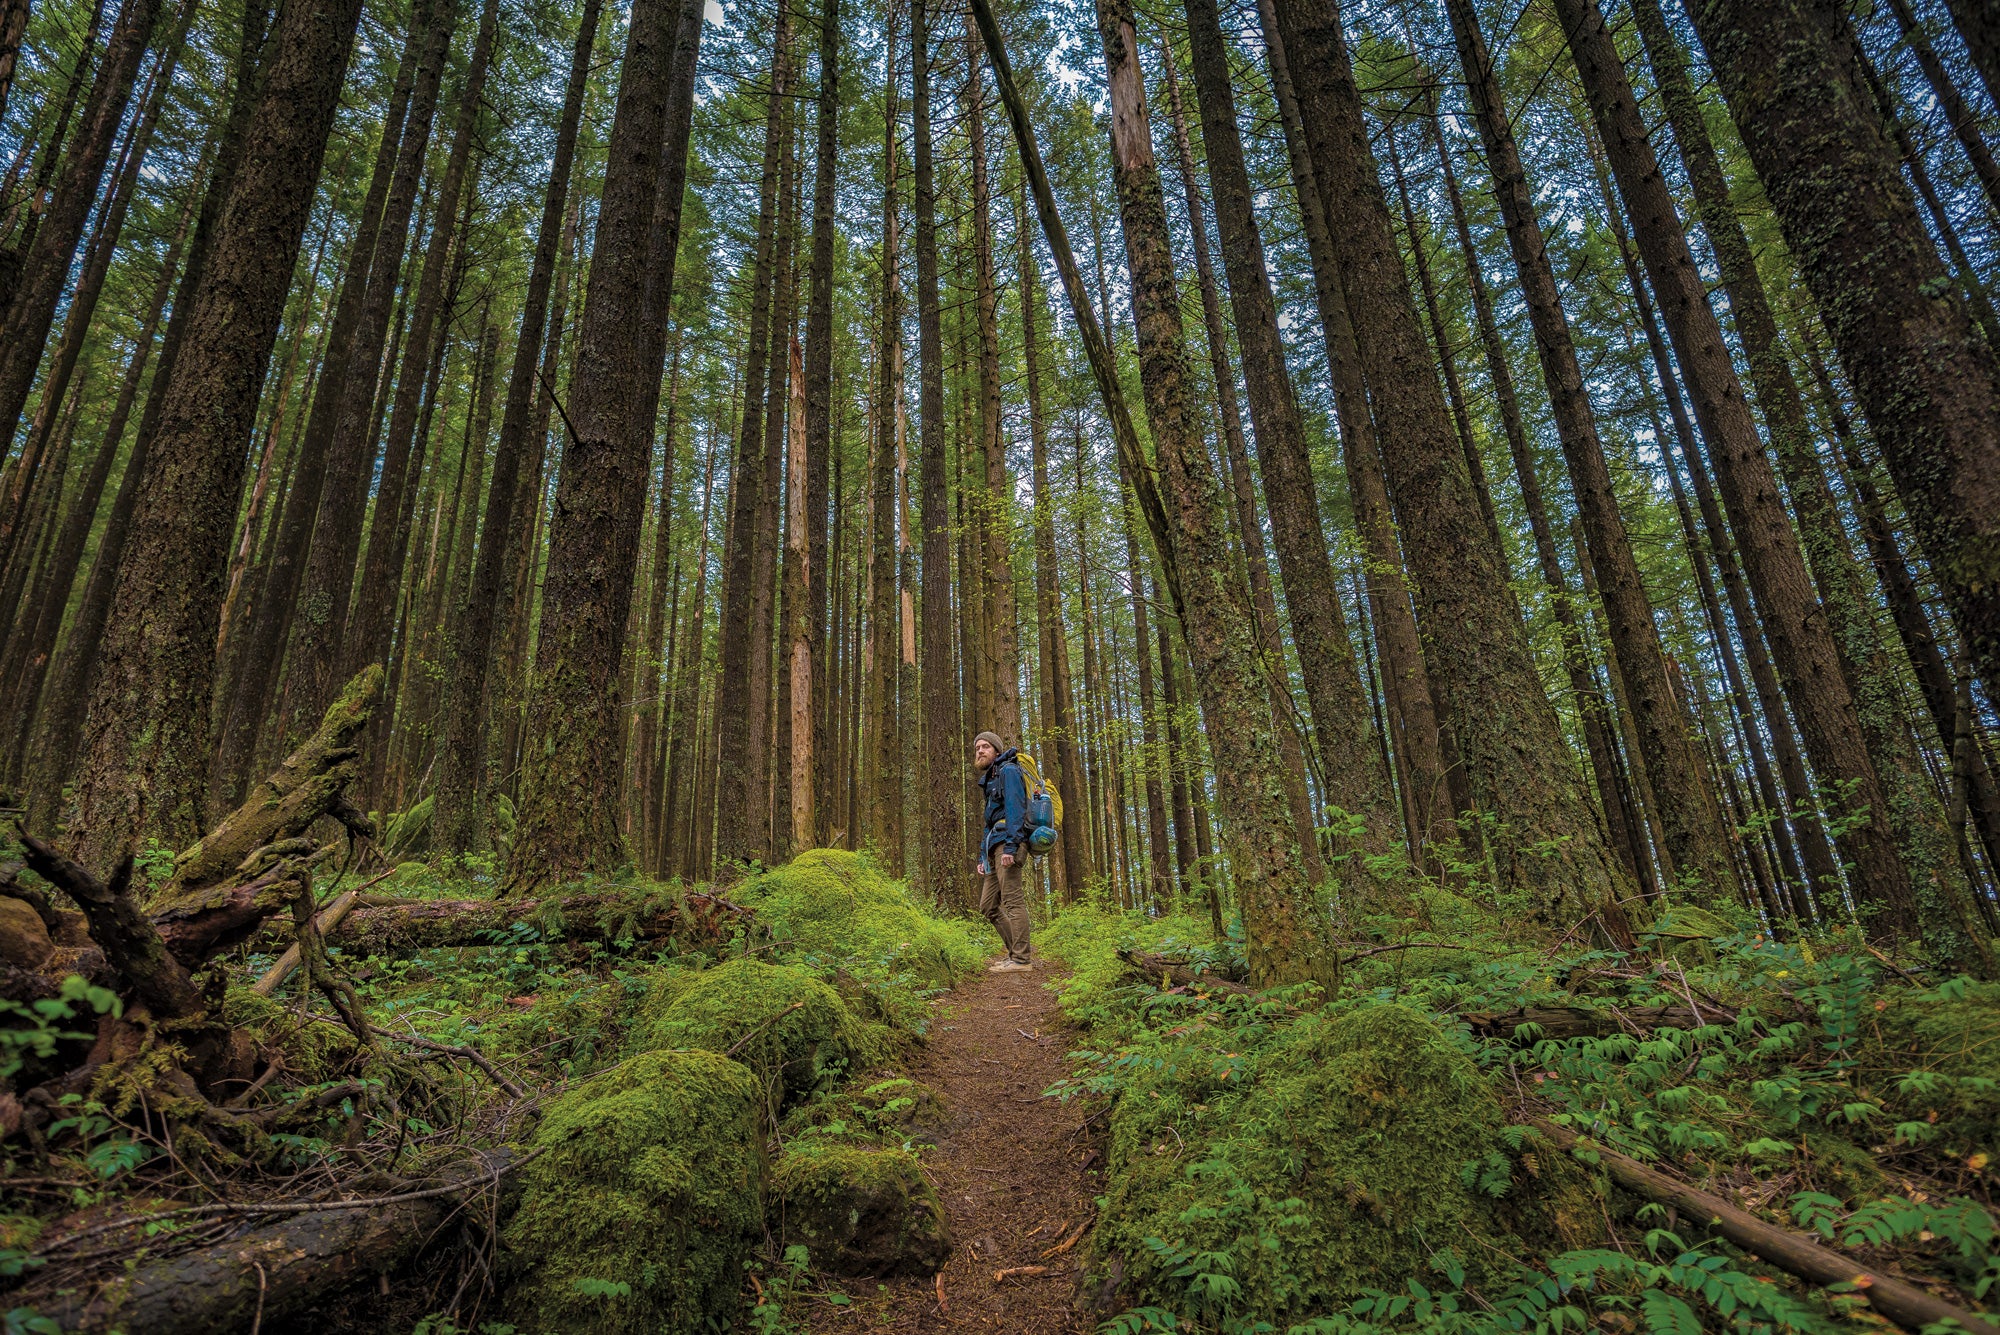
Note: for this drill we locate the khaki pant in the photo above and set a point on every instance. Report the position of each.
(1005, 903)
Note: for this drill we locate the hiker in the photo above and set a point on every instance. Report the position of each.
(1003, 849)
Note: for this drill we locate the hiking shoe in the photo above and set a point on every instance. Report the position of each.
(1008, 966)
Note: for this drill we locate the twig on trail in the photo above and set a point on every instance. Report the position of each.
(738, 1045)
(942, 1305)
(302, 1207)
(1019, 1272)
(1062, 1247)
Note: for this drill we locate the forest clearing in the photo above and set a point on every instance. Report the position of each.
(1319, 667)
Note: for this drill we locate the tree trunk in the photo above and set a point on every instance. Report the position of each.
(882, 827)
(819, 410)
(1620, 824)
(1438, 779)
(738, 801)
(1242, 490)
(568, 818)
(1055, 718)
(44, 275)
(458, 820)
(944, 772)
(1476, 647)
(146, 739)
(1283, 920)
(1915, 814)
(1349, 759)
(271, 612)
(1807, 658)
(766, 779)
(1964, 122)
(1695, 846)
(1928, 386)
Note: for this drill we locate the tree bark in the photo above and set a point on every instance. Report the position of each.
(273, 608)
(458, 822)
(1695, 844)
(1349, 759)
(1804, 651)
(1476, 647)
(146, 739)
(568, 818)
(44, 275)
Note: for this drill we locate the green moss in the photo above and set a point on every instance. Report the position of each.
(1336, 1164)
(860, 1212)
(1938, 1053)
(840, 908)
(780, 1021)
(313, 1052)
(649, 1180)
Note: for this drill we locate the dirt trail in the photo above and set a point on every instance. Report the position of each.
(1010, 1167)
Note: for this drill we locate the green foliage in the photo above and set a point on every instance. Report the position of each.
(32, 1031)
(639, 1215)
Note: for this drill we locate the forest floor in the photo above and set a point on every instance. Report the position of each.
(1013, 1169)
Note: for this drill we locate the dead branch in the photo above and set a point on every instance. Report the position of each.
(1792, 1252)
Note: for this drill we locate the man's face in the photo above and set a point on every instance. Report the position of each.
(983, 753)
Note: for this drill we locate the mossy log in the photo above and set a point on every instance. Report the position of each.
(391, 929)
(311, 783)
(1792, 1252)
(1180, 975)
(279, 1269)
(1583, 1022)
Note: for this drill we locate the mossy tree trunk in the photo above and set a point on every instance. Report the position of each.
(1350, 760)
(146, 738)
(568, 812)
(1545, 838)
(1926, 382)
(1696, 845)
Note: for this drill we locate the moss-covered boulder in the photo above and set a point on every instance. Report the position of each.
(860, 1212)
(840, 908)
(781, 1022)
(641, 1208)
(1359, 1152)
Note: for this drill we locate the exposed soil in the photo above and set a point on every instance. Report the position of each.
(1011, 1167)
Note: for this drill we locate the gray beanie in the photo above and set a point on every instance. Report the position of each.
(992, 739)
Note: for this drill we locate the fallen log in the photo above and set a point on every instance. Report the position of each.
(1181, 975)
(1794, 1253)
(436, 924)
(1585, 1022)
(311, 783)
(282, 1268)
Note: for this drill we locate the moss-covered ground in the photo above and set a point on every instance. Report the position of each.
(1366, 1162)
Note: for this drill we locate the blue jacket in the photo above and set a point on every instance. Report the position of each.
(1006, 806)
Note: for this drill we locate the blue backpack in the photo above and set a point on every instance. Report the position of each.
(1044, 806)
